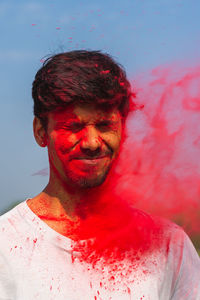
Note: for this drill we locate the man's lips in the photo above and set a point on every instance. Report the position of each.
(92, 161)
(90, 158)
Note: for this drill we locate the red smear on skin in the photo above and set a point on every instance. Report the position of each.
(65, 140)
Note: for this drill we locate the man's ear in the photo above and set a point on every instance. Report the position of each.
(39, 132)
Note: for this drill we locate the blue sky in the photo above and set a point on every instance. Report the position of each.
(140, 34)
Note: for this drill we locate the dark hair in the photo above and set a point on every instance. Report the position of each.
(80, 77)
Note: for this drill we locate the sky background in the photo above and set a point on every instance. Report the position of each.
(140, 34)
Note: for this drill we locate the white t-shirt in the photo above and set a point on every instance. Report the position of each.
(36, 263)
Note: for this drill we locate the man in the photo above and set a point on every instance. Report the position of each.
(75, 240)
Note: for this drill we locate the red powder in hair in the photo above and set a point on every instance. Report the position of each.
(105, 72)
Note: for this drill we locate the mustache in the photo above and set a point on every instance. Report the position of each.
(91, 155)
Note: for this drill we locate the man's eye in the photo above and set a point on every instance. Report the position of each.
(74, 127)
(104, 126)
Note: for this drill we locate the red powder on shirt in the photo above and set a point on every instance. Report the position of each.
(158, 171)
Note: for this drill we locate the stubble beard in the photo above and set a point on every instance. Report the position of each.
(85, 182)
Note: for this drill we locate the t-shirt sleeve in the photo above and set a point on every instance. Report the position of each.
(7, 286)
(187, 282)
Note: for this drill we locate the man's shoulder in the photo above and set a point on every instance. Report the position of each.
(177, 245)
(168, 228)
(172, 233)
(162, 230)
(11, 214)
(12, 222)
(182, 259)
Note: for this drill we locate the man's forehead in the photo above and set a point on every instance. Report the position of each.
(84, 113)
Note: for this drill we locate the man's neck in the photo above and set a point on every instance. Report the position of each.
(60, 208)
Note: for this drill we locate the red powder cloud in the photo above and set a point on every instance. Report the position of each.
(159, 168)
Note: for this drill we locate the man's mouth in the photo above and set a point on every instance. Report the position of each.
(91, 157)
(92, 161)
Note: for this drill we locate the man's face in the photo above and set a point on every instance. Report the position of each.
(83, 142)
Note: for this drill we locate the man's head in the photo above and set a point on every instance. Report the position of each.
(81, 100)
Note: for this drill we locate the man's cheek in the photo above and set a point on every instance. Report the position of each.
(113, 141)
(64, 144)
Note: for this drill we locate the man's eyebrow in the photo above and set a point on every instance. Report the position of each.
(74, 120)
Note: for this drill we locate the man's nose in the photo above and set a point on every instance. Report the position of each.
(91, 140)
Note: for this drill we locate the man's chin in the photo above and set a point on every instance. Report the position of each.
(86, 183)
